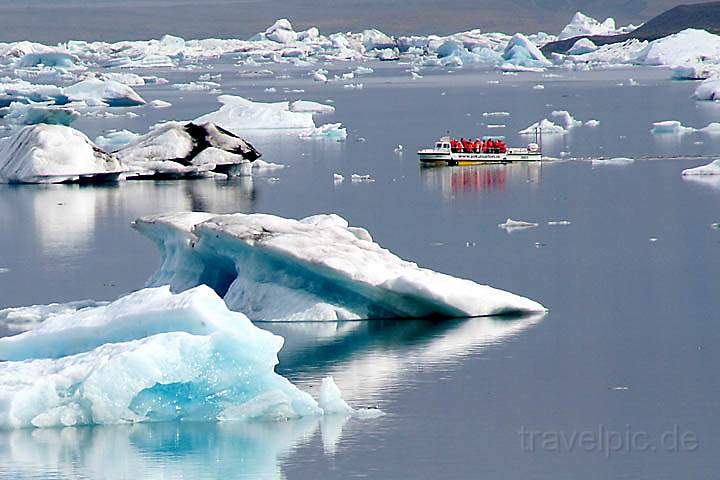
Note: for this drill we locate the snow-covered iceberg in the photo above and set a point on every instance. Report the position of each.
(581, 24)
(175, 148)
(151, 356)
(239, 115)
(53, 154)
(317, 268)
(94, 91)
(712, 168)
(686, 47)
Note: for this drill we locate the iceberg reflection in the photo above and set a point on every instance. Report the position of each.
(367, 357)
(163, 451)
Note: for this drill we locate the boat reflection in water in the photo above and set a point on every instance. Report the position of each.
(452, 181)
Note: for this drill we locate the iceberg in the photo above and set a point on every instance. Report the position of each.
(94, 91)
(511, 225)
(50, 58)
(567, 118)
(175, 148)
(695, 71)
(582, 46)
(115, 140)
(25, 92)
(521, 52)
(546, 127)
(670, 127)
(712, 168)
(53, 154)
(148, 357)
(317, 268)
(239, 114)
(709, 89)
(581, 24)
(686, 47)
(311, 107)
(31, 114)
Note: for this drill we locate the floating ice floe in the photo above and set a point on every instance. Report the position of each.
(712, 128)
(712, 168)
(150, 356)
(670, 127)
(511, 225)
(238, 115)
(174, 148)
(317, 268)
(160, 104)
(337, 178)
(597, 162)
(559, 223)
(94, 91)
(356, 178)
(53, 154)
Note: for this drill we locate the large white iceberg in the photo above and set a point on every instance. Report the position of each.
(52, 154)
(239, 115)
(94, 91)
(712, 168)
(317, 268)
(151, 356)
(686, 47)
(581, 24)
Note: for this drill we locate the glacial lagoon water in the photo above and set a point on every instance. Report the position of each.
(626, 354)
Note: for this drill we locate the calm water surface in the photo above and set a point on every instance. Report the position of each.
(628, 346)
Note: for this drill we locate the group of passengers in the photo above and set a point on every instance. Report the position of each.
(478, 146)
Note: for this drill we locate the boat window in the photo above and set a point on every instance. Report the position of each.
(438, 145)
(446, 145)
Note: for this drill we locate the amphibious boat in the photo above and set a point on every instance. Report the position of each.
(449, 151)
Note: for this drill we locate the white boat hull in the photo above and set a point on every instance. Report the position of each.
(432, 156)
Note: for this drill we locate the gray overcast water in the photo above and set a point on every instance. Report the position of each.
(627, 352)
(54, 21)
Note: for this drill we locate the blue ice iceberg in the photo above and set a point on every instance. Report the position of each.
(317, 268)
(150, 356)
(521, 52)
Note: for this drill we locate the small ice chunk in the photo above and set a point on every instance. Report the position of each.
(160, 104)
(596, 162)
(337, 178)
(361, 178)
(566, 118)
(539, 87)
(670, 127)
(496, 114)
(94, 91)
(511, 225)
(263, 165)
(592, 123)
(559, 222)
